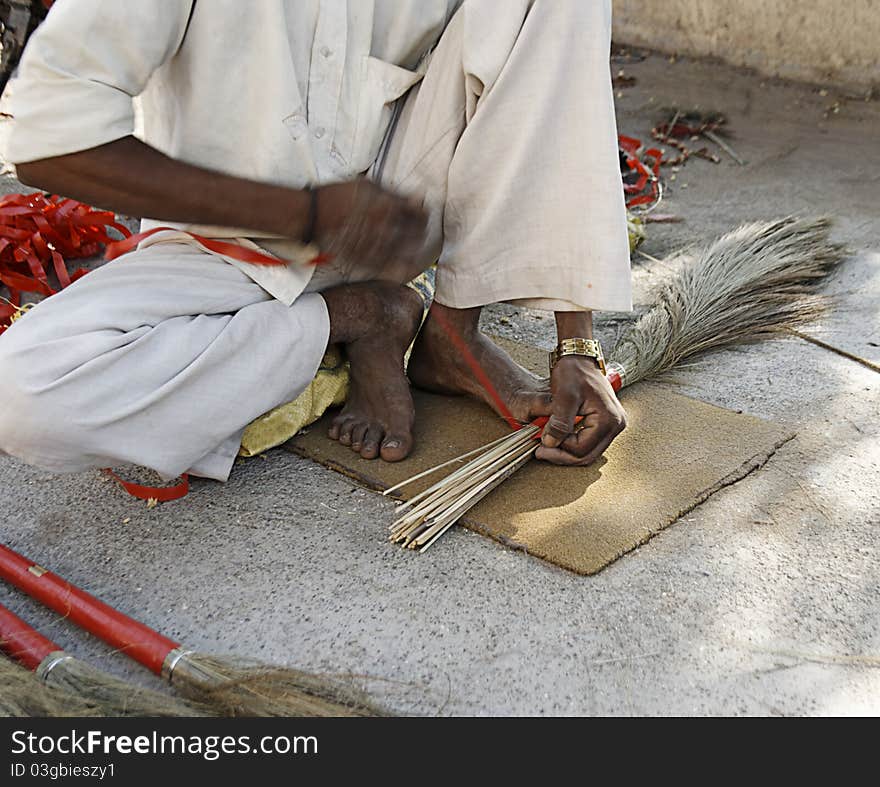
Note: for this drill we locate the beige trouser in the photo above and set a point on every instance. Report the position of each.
(162, 357)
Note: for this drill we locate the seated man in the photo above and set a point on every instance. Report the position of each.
(387, 133)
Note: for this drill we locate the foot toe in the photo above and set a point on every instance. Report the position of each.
(336, 425)
(370, 448)
(346, 430)
(358, 434)
(396, 446)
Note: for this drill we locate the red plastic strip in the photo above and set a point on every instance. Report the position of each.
(126, 245)
(476, 369)
(21, 642)
(17, 281)
(161, 494)
(134, 639)
(39, 233)
(223, 248)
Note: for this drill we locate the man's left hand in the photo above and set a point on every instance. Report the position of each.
(579, 388)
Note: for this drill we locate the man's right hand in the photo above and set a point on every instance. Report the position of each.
(382, 235)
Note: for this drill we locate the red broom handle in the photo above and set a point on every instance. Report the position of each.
(135, 640)
(21, 642)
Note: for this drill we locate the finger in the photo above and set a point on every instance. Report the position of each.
(411, 212)
(559, 456)
(561, 423)
(405, 260)
(406, 227)
(600, 448)
(586, 435)
(378, 236)
(414, 208)
(585, 442)
(408, 236)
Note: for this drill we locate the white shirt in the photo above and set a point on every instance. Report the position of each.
(281, 91)
(288, 92)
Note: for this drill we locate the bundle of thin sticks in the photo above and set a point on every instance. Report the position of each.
(759, 280)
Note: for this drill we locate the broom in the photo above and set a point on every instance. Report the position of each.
(229, 687)
(23, 694)
(74, 686)
(756, 281)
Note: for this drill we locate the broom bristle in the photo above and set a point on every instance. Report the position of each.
(753, 282)
(22, 694)
(239, 688)
(112, 696)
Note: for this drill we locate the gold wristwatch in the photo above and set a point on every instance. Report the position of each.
(589, 348)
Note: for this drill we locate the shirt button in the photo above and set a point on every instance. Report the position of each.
(319, 132)
(326, 51)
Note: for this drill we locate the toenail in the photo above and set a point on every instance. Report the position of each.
(391, 444)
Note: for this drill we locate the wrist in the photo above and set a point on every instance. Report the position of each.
(581, 364)
(571, 325)
(586, 348)
(291, 214)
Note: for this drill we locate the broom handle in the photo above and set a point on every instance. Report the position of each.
(21, 642)
(135, 640)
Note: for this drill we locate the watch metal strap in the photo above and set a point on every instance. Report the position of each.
(589, 348)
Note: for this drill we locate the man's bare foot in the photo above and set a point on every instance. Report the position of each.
(376, 322)
(437, 365)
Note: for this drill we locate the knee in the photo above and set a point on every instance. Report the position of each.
(33, 427)
(18, 399)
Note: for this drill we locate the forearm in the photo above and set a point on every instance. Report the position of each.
(129, 177)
